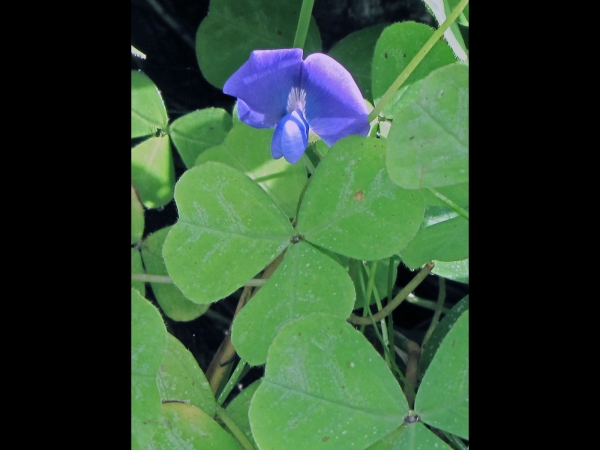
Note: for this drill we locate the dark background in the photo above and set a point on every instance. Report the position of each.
(165, 31)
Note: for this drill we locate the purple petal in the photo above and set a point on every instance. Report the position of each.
(291, 137)
(334, 105)
(263, 83)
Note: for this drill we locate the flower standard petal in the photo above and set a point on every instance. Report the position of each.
(335, 108)
(290, 138)
(263, 83)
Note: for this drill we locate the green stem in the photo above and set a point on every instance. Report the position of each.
(303, 22)
(229, 423)
(457, 209)
(399, 298)
(235, 376)
(366, 305)
(428, 304)
(438, 311)
(147, 278)
(384, 330)
(416, 60)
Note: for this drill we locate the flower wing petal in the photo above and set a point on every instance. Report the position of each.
(335, 107)
(290, 138)
(263, 83)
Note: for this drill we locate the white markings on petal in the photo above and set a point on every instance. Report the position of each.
(296, 100)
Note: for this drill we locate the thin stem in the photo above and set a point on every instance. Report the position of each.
(390, 318)
(219, 364)
(255, 282)
(428, 304)
(303, 23)
(384, 331)
(416, 60)
(147, 278)
(460, 211)
(438, 311)
(215, 315)
(235, 376)
(235, 430)
(366, 305)
(418, 279)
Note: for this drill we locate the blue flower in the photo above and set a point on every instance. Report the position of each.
(277, 89)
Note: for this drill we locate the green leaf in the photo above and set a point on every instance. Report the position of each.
(171, 300)
(148, 113)
(428, 145)
(440, 9)
(233, 29)
(137, 267)
(238, 410)
(414, 436)
(152, 171)
(180, 378)
(249, 150)
(440, 332)
(185, 427)
(325, 386)
(148, 346)
(355, 53)
(453, 270)
(306, 281)
(229, 229)
(137, 217)
(396, 47)
(351, 206)
(444, 241)
(197, 131)
(443, 397)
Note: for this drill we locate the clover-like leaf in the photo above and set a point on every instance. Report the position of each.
(443, 241)
(153, 172)
(443, 397)
(179, 378)
(185, 427)
(148, 113)
(306, 281)
(397, 45)
(428, 145)
(171, 300)
(326, 387)
(148, 346)
(197, 131)
(352, 207)
(229, 229)
(453, 270)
